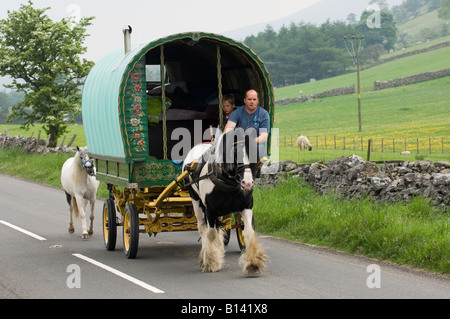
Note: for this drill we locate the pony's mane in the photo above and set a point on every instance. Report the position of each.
(238, 135)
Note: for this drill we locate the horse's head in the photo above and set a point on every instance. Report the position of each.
(237, 157)
(86, 163)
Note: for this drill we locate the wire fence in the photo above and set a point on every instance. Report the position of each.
(420, 145)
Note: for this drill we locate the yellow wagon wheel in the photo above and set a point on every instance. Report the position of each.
(130, 231)
(109, 225)
(240, 230)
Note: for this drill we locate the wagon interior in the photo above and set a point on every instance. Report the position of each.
(191, 87)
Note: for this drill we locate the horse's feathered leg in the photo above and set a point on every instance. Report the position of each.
(253, 258)
(212, 253)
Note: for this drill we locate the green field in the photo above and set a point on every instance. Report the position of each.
(426, 62)
(14, 130)
(417, 115)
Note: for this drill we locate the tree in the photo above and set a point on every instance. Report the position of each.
(444, 11)
(385, 35)
(43, 59)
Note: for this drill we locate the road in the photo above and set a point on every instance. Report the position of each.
(40, 259)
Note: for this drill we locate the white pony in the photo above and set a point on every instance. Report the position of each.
(303, 143)
(80, 185)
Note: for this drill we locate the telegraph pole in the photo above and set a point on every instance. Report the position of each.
(355, 56)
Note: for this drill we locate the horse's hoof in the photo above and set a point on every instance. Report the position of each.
(84, 236)
(91, 232)
(252, 271)
(71, 230)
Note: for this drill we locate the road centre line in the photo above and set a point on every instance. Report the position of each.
(26, 232)
(120, 274)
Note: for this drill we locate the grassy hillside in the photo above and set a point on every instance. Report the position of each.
(416, 115)
(427, 62)
(427, 26)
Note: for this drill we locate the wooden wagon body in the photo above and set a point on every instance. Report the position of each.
(134, 101)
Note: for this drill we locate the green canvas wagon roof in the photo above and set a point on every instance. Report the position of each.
(118, 80)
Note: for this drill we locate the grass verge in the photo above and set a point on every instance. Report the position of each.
(415, 234)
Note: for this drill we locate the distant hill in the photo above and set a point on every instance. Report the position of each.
(425, 27)
(315, 14)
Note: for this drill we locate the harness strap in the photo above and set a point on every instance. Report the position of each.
(223, 183)
(84, 167)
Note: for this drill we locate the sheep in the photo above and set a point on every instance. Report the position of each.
(303, 143)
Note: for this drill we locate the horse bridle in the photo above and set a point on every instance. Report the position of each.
(83, 164)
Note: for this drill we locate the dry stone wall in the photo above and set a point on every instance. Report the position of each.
(353, 177)
(305, 98)
(32, 145)
(407, 80)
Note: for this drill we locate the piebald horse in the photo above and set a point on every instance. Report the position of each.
(80, 185)
(222, 184)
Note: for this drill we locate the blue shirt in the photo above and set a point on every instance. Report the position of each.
(259, 120)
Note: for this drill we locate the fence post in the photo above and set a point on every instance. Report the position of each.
(382, 145)
(429, 144)
(368, 150)
(71, 141)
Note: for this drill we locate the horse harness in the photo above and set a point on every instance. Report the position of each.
(83, 164)
(225, 182)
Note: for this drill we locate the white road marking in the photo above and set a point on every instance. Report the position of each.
(26, 232)
(120, 274)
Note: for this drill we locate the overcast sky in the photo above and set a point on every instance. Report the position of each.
(152, 19)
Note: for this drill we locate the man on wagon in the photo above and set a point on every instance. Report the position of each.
(251, 115)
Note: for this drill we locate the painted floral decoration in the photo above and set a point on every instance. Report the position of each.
(137, 139)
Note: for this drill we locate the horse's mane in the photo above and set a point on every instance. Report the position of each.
(226, 143)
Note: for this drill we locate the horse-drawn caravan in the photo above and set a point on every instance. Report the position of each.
(144, 109)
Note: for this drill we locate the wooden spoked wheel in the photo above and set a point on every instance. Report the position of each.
(130, 231)
(109, 225)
